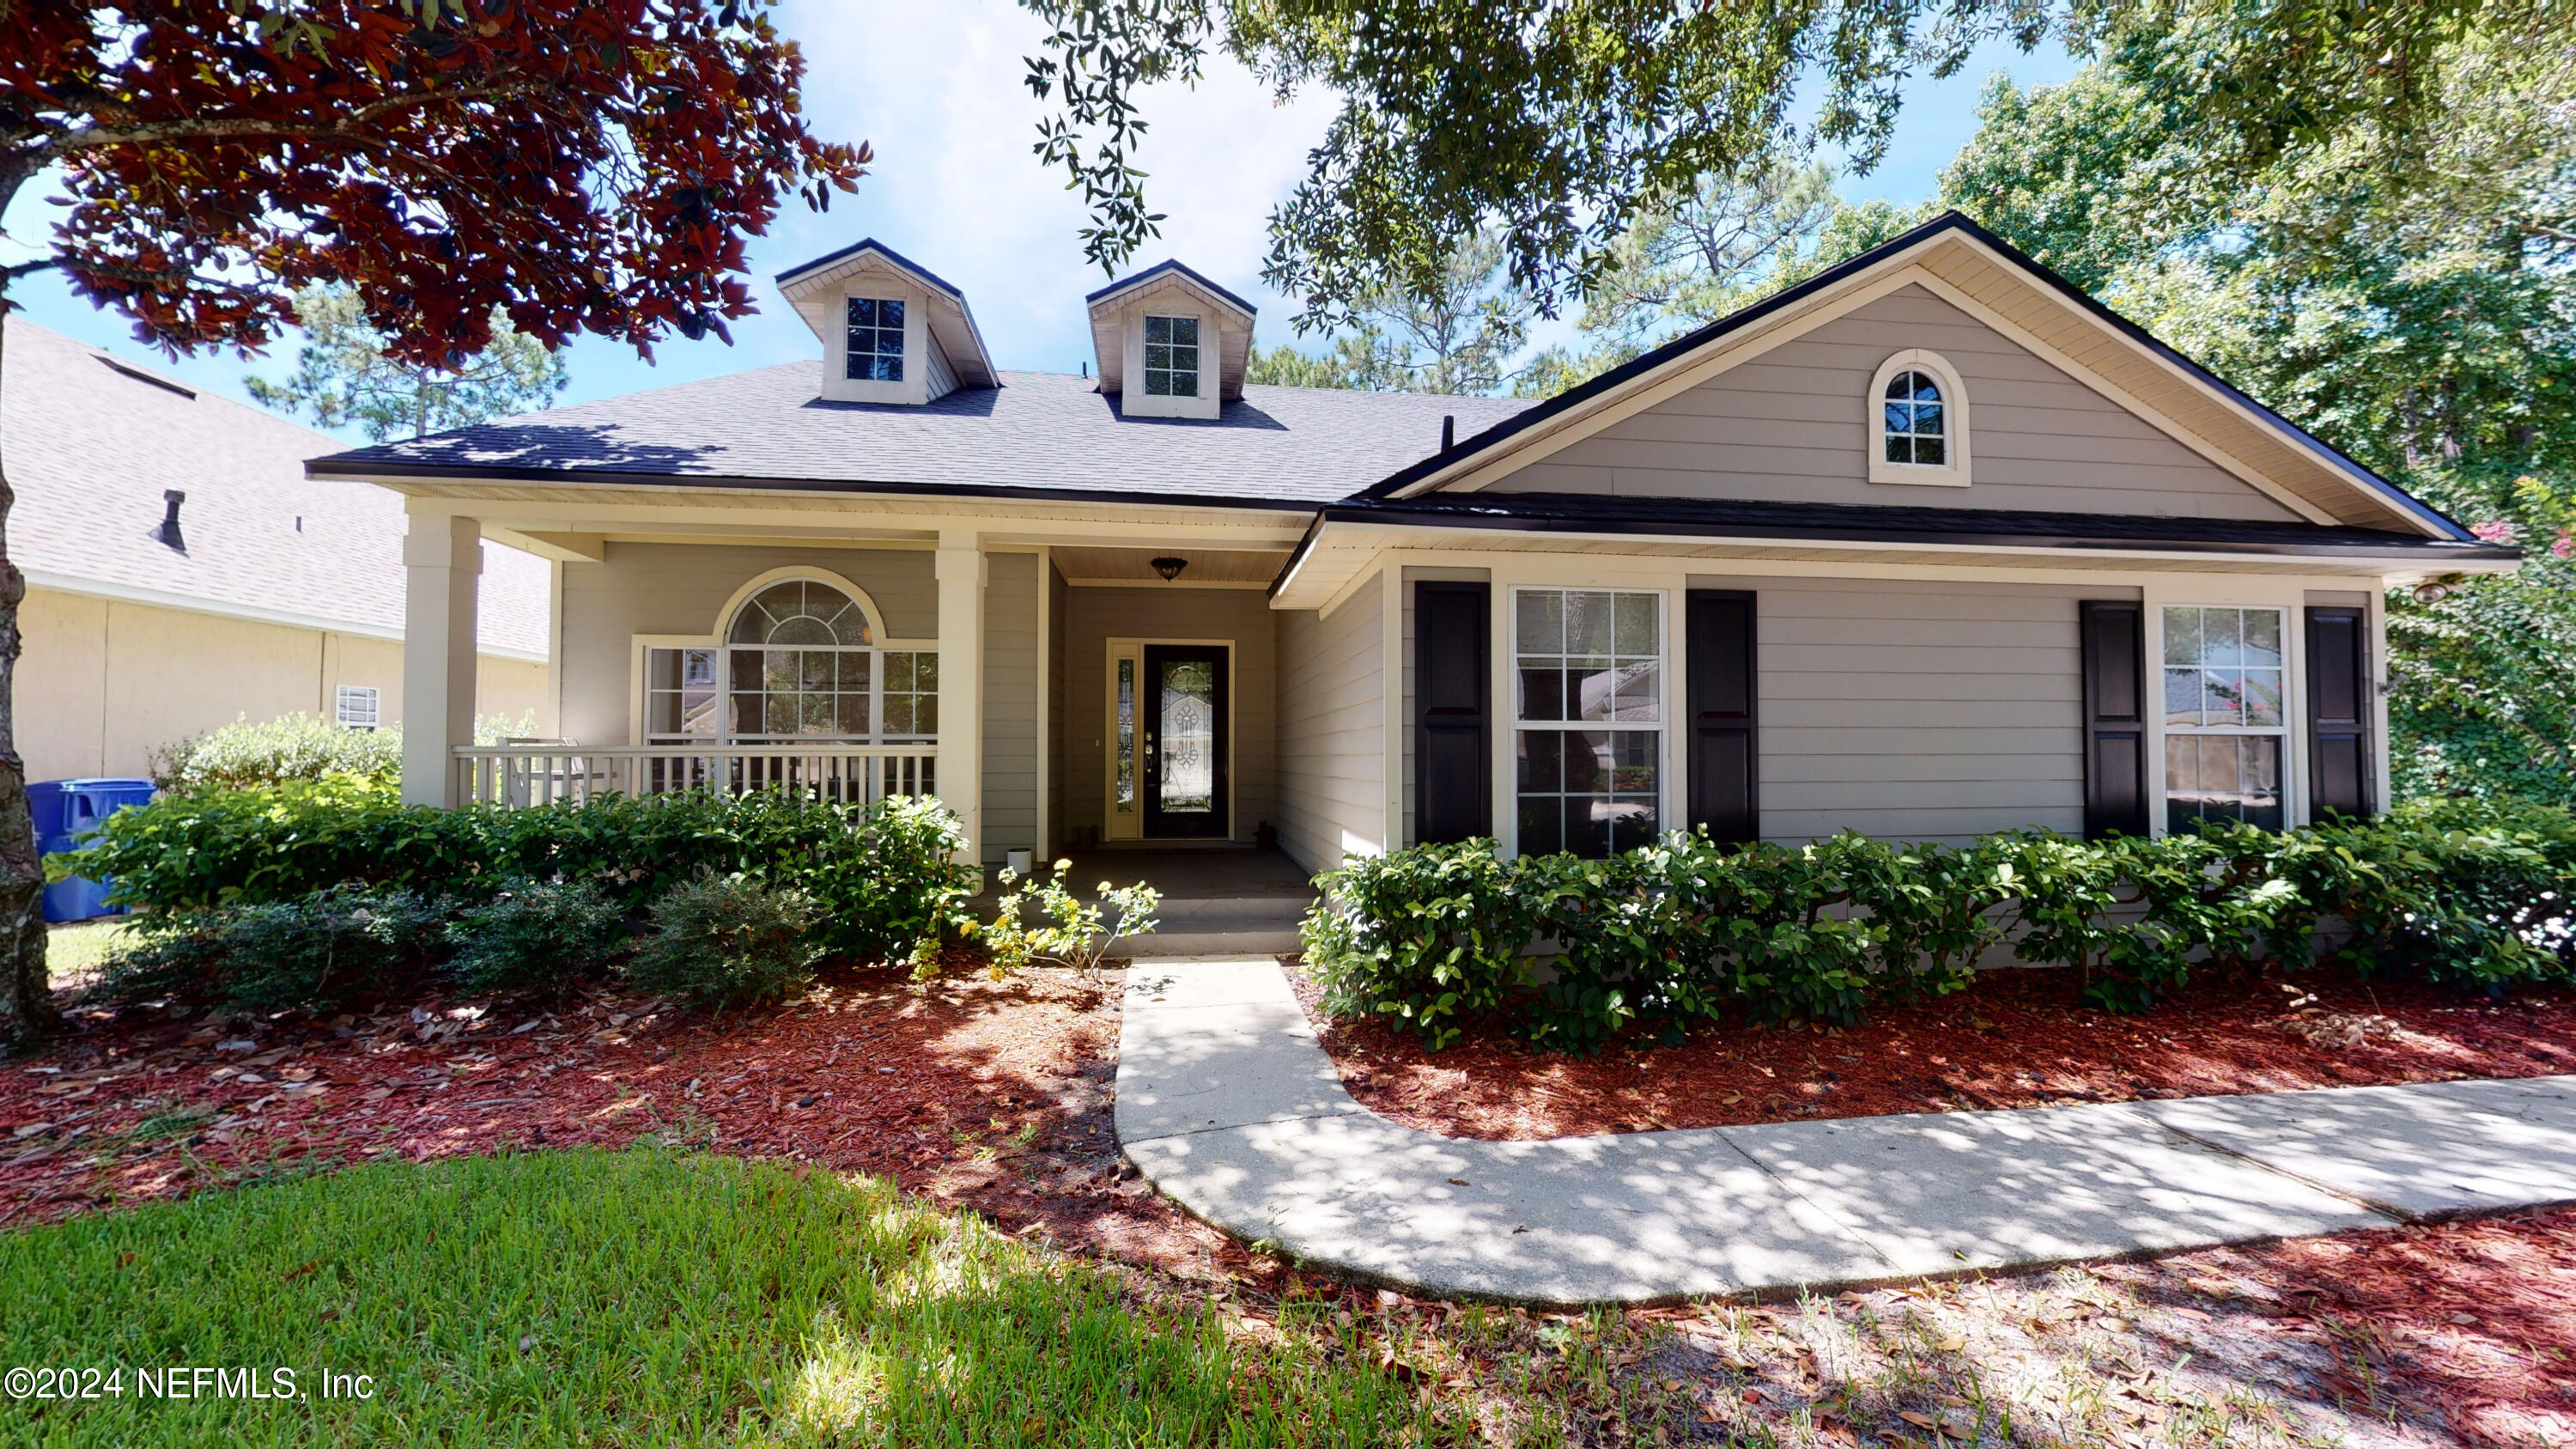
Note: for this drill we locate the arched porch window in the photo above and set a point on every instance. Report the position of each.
(800, 663)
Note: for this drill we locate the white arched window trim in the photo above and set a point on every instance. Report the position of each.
(867, 606)
(643, 728)
(1955, 422)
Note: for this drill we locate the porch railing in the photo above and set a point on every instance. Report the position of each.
(542, 774)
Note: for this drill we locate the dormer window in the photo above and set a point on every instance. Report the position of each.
(875, 352)
(1171, 356)
(1172, 344)
(1917, 411)
(1914, 428)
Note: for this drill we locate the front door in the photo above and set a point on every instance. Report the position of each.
(1185, 740)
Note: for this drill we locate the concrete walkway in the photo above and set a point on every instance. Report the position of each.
(1227, 1103)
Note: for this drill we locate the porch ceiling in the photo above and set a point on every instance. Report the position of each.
(1208, 567)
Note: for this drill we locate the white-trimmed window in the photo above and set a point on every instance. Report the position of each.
(1588, 715)
(2226, 715)
(1171, 356)
(874, 338)
(1914, 430)
(799, 663)
(358, 707)
(1918, 421)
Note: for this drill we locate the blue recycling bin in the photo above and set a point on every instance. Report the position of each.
(66, 811)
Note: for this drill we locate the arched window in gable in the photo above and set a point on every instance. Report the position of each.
(1915, 429)
(1918, 421)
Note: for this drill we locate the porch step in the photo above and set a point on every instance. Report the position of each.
(1196, 945)
(1243, 925)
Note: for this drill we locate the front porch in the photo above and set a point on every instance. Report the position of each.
(856, 654)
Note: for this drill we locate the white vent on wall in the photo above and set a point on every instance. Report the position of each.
(360, 707)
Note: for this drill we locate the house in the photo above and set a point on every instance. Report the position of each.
(182, 572)
(1929, 546)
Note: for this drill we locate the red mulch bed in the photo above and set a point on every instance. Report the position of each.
(2018, 1038)
(980, 1094)
(2469, 1326)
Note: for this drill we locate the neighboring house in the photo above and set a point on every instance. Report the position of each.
(1929, 546)
(182, 572)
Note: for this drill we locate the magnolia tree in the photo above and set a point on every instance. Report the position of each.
(567, 165)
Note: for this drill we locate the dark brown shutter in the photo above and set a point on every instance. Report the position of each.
(1453, 792)
(1725, 783)
(2115, 721)
(2339, 710)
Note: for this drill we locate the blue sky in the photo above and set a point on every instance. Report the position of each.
(937, 89)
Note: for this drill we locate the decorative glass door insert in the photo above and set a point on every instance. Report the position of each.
(1184, 746)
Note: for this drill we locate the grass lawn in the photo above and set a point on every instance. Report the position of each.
(75, 950)
(646, 1296)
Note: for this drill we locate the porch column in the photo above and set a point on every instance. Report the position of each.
(441, 559)
(961, 684)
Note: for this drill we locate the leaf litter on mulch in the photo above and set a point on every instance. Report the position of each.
(995, 1097)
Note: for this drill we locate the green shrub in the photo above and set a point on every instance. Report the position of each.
(290, 747)
(316, 953)
(2466, 894)
(727, 941)
(881, 875)
(536, 936)
(1426, 936)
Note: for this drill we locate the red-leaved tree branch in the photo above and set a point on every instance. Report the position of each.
(583, 165)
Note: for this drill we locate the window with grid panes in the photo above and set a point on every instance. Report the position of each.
(1172, 356)
(2226, 715)
(798, 665)
(1588, 742)
(875, 340)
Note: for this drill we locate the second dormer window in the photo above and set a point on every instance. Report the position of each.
(875, 340)
(1172, 356)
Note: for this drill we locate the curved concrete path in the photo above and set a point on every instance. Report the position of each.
(1228, 1104)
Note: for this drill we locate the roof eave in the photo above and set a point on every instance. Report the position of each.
(2428, 551)
(377, 470)
(1173, 267)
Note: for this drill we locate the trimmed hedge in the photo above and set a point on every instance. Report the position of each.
(2469, 894)
(880, 876)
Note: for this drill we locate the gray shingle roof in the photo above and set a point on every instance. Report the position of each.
(92, 445)
(1039, 432)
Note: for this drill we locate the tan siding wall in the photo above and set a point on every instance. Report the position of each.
(1010, 704)
(1790, 424)
(1918, 710)
(1061, 726)
(1239, 616)
(1332, 756)
(104, 683)
(674, 588)
(61, 686)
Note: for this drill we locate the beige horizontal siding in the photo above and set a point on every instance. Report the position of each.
(1918, 710)
(1010, 704)
(1059, 725)
(1332, 742)
(1793, 424)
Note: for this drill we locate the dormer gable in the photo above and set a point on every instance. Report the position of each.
(892, 331)
(1172, 344)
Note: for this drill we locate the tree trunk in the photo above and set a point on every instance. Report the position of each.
(31, 1011)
